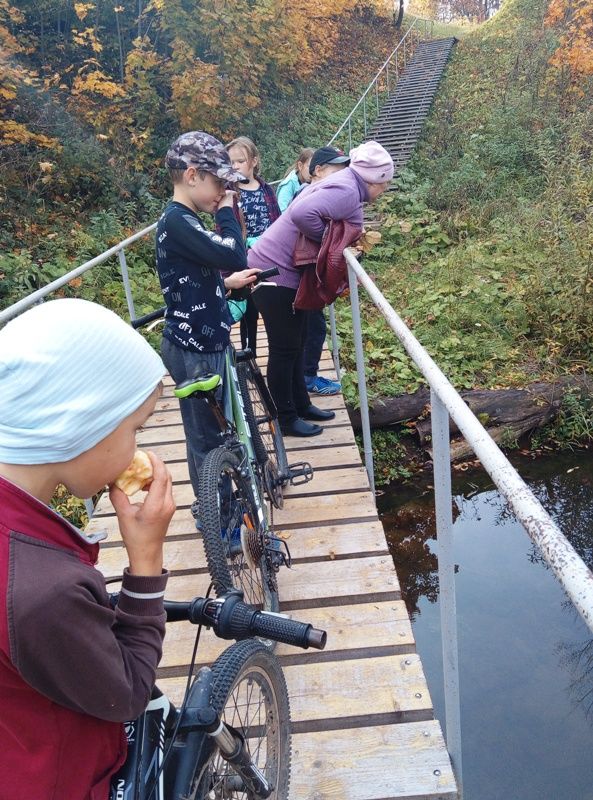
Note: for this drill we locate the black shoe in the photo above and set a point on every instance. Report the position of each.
(317, 413)
(300, 428)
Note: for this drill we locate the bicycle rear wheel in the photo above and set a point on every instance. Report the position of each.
(266, 435)
(232, 531)
(249, 693)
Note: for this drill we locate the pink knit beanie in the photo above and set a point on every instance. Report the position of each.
(372, 162)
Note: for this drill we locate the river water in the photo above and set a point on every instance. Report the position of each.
(526, 657)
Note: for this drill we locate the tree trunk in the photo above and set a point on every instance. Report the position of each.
(507, 414)
(400, 15)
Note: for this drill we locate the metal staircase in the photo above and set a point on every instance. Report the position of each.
(402, 116)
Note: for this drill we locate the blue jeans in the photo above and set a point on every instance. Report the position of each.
(314, 340)
(202, 432)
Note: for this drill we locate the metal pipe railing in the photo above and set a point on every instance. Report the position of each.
(39, 294)
(569, 568)
(573, 574)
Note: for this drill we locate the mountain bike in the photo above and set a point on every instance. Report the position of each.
(236, 478)
(231, 736)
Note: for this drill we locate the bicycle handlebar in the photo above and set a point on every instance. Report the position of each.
(140, 321)
(230, 618)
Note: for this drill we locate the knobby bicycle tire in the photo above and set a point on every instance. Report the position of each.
(231, 532)
(268, 442)
(245, 675)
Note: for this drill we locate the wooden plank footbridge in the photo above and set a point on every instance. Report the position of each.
(362, 718)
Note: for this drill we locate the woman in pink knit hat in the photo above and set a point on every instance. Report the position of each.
(338, 197)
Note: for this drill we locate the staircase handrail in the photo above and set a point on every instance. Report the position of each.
(382, 69)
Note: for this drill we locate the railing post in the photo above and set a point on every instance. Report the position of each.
(441, 460)
(123, 265)
(387, 74)
(377, 95)
(350, 134)
(334, 337)
(364, 112)
(362, 384)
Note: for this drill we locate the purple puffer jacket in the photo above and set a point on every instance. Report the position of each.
(339, 197)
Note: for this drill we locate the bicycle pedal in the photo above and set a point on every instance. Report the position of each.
(299, 473)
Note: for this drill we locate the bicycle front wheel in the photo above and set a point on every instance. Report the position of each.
(232, 531)
(266, 435)
(249, 693)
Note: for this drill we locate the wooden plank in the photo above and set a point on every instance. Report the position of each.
(312, 584)
(331, 437)
(318, 508)
(181, 524)
(160, 429)
(341, 691)
(326, 368)
(389, 762)
(350, 478)
(170, 403)
(334, 541)
(322, 543)
(172, 417)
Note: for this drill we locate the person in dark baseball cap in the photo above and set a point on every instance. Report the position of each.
(325, 157)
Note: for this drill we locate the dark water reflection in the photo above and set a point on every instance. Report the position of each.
(526, 657)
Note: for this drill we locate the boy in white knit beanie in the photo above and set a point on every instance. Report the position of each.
(76, 383)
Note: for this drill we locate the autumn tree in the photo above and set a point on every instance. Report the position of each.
(573, 20)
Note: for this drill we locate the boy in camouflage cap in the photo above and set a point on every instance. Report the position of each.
(190, 262)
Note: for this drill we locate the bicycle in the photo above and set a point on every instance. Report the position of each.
(235, 478)
(231, 736)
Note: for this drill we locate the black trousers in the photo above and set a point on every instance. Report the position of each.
(314, 341)
(286, 331)
(249, 327)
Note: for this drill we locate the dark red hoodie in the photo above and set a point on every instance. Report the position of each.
(72, 670)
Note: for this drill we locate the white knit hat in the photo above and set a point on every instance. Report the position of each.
(70, 372)
(372, 162)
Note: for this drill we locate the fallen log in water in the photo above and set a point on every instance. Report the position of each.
(507, 414)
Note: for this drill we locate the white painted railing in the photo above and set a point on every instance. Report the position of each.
(573, 574)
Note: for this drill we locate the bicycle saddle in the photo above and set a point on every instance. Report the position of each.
(199, 383)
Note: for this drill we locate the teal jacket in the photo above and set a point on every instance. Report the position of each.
(287, 189)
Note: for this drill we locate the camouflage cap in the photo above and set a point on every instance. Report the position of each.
(200, 150)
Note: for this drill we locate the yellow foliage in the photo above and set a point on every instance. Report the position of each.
(87, 37)
(82, 9)
(12, 133)
(96, 82)
(574, 18)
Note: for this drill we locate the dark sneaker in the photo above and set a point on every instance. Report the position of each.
(317, 414)
(301, 428)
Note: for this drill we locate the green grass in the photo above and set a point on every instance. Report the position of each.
(487, 244)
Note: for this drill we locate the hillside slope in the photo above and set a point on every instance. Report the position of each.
(488, 245)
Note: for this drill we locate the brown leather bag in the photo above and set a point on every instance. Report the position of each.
(325, 280)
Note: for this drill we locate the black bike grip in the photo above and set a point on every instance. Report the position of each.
(245, 622)
(140, 321)
(289, 631)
